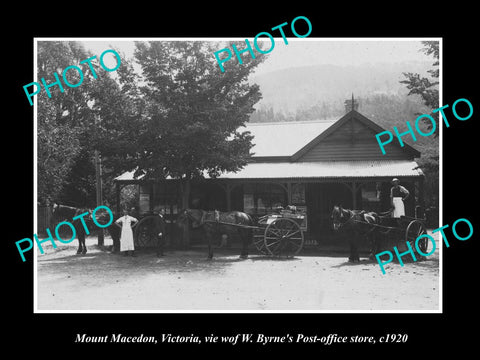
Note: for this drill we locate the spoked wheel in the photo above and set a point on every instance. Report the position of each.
(259, 241)
(143, 236)
(415, 229)
(283, 236)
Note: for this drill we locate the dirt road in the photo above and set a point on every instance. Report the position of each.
(185, 280)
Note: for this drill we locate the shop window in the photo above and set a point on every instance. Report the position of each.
(144, 199)
(260, 199)
(166, 197)
(298, 194)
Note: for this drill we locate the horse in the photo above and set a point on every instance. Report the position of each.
(114, 231)
(67, 213)
(215, 222)
(355, 223)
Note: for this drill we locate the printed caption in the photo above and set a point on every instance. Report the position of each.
(263, 339)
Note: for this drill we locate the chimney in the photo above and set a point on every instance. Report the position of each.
(351, 104)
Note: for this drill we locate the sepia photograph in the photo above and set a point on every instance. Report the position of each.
(184, 175)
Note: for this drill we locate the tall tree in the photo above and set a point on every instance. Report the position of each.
(60, 119)
(193, 112)
(118, 109)
(426, 88)
(99, 114)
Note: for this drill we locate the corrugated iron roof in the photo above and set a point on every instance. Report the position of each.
(319, 170)
(127, 176)
(327, 169)
(284, 138)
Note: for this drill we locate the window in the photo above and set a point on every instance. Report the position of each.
(166, 197)
(298, 194)
(144, 199)
(262, 198)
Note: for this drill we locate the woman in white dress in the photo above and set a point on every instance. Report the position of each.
(126, 237)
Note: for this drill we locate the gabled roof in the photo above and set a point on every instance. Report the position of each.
(284, 138)
(291, 140)
(353, 114)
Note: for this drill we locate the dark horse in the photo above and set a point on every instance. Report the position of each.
(355, 224)
(215, 223)
(67, 213)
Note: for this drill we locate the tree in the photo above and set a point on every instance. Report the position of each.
(100, 114)
(427, 89)
(193, 112)
(60, 119)
(423, 86)
(118, 108)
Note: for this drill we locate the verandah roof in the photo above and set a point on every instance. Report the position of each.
(327, 170)
(319, 170)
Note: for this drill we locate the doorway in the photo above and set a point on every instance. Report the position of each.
(320, 198)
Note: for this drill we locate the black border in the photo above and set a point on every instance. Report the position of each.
(428, 333)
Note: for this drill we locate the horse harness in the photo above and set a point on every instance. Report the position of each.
(214, 218)
(204, 218)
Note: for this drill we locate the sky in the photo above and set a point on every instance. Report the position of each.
(307, 51)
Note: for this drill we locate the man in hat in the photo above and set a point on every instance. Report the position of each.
(398, 194)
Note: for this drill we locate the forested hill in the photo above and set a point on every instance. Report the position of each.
(325, 87)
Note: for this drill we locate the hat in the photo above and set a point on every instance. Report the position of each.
(395, 179)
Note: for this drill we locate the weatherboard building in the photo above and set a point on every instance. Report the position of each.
(313, 165)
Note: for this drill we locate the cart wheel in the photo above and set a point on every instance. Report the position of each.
(415, 229)
(283, 237)
(259, 242)
(143, 235)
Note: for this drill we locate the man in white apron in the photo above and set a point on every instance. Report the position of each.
(398, 194)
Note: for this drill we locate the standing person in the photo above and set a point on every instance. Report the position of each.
(158, 229)
(126, 237)
(398, 194)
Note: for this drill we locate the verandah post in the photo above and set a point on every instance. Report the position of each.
(185, 189)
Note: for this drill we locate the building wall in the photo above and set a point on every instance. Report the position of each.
(352, 141)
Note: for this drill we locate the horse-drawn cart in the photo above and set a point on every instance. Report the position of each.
(277, 234)
(280, 234)
(383, 231)
(415, 227)
(406, 229)
(143, 233)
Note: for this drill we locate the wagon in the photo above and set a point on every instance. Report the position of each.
(143, 234)
(416, 227)
(408, 230)
(280, 234)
